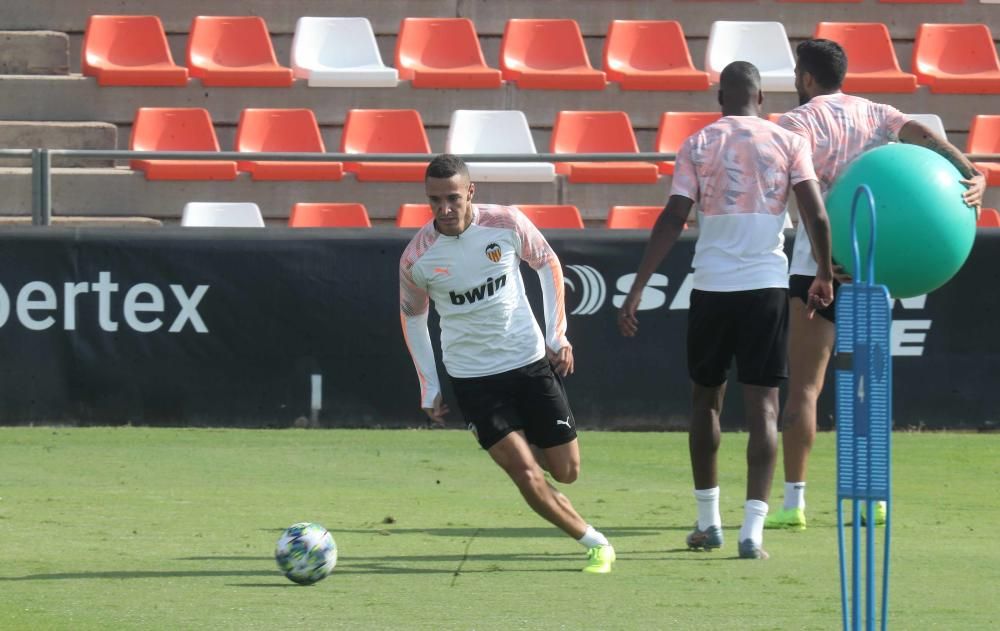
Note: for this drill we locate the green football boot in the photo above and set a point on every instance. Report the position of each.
(786, 518)
(599, 560)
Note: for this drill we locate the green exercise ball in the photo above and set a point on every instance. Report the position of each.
(924, 231)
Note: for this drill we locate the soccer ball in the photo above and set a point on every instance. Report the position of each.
(306, 553)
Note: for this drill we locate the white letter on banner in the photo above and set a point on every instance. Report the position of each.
(25, 305)
(909, 332)
(650, 298)
(70, 292)
(133, 306)
(189, 308)
(4, 306)
(104, 288)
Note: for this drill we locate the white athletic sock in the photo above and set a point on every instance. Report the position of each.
(754, 512)
(708, 508)
(592, 538)
(795, 495)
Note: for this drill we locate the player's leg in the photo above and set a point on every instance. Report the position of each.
(810, 345)
(710, 340)
(762, 364)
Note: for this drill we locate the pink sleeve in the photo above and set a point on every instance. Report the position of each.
(685, 178)
(892, 120)
(537, 252)
(800, 162)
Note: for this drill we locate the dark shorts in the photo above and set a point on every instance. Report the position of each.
(531, 398)
(751, 326)
(798, 287)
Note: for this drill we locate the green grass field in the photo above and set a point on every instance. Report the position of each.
(174, 529)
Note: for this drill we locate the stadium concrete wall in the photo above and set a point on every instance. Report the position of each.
(257, 328)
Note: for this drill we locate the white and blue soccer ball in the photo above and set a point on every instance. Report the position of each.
(306, 553)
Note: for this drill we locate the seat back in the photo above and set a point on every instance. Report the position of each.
(413, 215)
(633, 217)
(954, 49)
(541, 45)
(437, 43)
(645, 45)
(222, 215)
(988, 218)
(546, 216)
(125, 40)
(867, 44)
(334, 43)
(764, 44)
(675, 127)
(327, 215)
(173, 129)
(984, 134)
(384, 131)
(593, 132)
(279, 130)
(489, 131)
(232, 41)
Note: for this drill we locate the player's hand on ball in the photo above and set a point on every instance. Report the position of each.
(562, 362)
(975, 188)
(437, 413)
(628, 324)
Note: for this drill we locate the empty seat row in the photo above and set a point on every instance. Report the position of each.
(402, 131)
(351, 215)
(535, 54)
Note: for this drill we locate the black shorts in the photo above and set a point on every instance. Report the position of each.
(531, 398)
(798, 287)
(751, 326)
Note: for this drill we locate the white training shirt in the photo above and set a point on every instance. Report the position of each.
(474, 279)
(838, 127)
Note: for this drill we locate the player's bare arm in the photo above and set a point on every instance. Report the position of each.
(813, 213)
(665, 233)
(916, 133)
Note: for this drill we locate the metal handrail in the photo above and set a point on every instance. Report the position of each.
(41, 162)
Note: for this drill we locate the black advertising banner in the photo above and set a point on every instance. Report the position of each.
(260, 328)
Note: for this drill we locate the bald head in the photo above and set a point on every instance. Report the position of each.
(739, 89)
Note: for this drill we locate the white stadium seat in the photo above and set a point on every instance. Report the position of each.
(764, 44)
(222, 215)
(339, 52)
(933, 122)
(496, 131)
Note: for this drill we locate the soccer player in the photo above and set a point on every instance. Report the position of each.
(838, 127)
(507, 375)
(740, 171)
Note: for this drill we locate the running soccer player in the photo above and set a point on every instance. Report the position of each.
(740, 171)
(507, 375)
(838, 128)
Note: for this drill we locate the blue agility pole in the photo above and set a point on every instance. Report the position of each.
(864, 423)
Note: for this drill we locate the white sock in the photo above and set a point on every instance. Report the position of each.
(592, 538)
(708, 508)
(754, 512)
(795, 495)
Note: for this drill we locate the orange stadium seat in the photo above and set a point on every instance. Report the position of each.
(633, 217)
(546, 216)
(853, 1)
(129, 50)
(234, 51)
(281, 130)
(922, 1)
(322, 215)
(956, 59)
(675, 127)
(650, 55)
(989, 218)
(177, 129)
(872, 64)
(547, 55)
(413, 215)
(385, 131)
(442, 53)
(774, 117)
(984, 137)
(599, 132)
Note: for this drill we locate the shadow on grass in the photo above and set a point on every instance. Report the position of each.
(504, 533)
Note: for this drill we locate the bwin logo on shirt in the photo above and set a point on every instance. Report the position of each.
(487, 289)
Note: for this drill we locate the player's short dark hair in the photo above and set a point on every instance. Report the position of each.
(740, 77)
(825, 60)
(446, 165)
